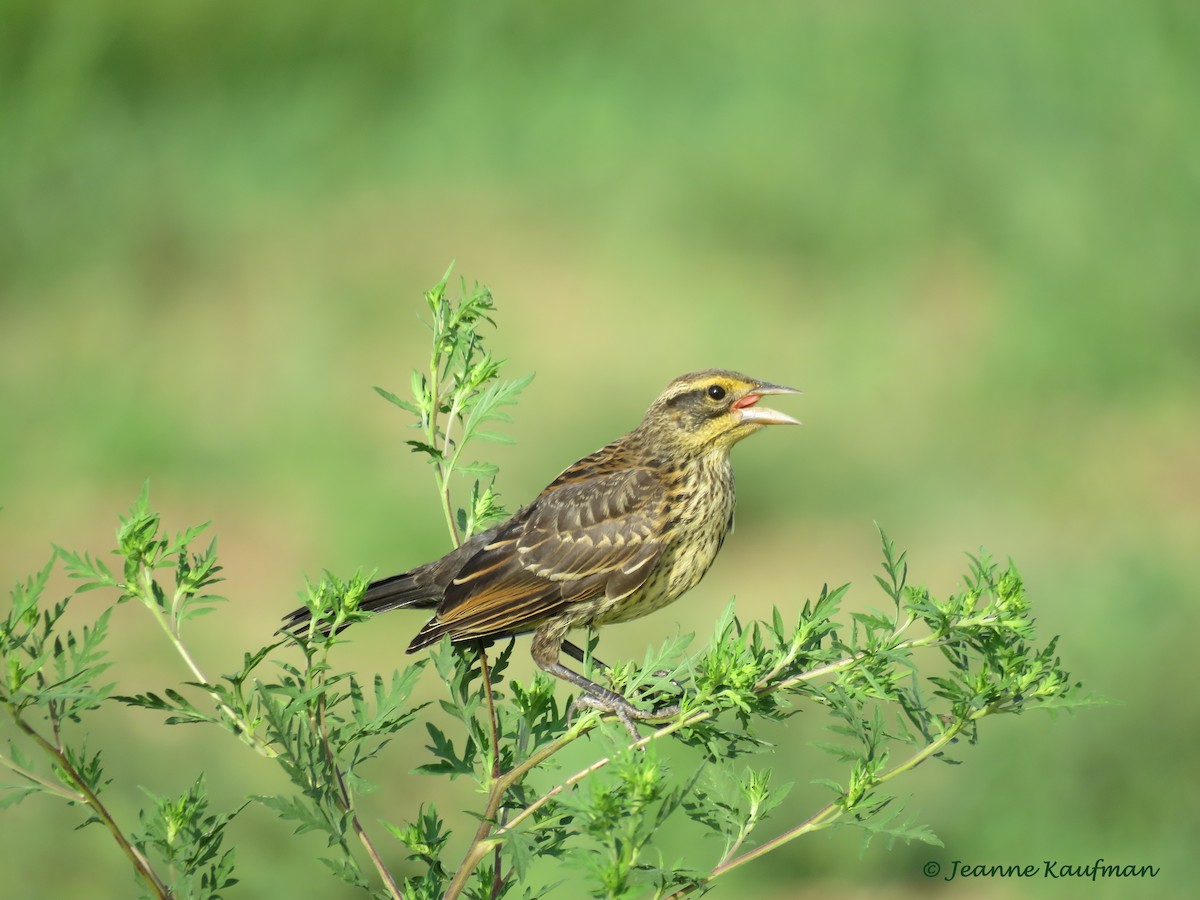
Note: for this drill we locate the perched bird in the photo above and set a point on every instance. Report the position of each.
(619, 534)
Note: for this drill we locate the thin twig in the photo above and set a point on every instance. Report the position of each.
(45, 784)
(497, 878)
(481, 843)
(441, 470)
(88, 797)
(347, 804)
(828, 814)
(244, 730)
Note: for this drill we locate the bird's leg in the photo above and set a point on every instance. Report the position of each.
(576, 653)
(549, 641)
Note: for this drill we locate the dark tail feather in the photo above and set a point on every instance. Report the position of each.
(398, 592)
(407, 591)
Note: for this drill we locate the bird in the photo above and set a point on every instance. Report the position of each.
(617, 535)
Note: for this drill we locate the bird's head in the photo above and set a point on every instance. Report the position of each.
(713, 409)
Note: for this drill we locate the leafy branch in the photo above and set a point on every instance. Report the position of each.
(50, 682)
(145, 551)
(454, 398)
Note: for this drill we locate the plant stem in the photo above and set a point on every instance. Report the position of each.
(830, 813)
(481, 843)
(765, 686)
(46, 785)
(441, 471)
(244, 730)
(346, 802)
(444, 469)
(88, 797)
(743, 834)
(497, 878)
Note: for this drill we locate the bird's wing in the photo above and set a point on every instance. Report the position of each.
(592, 536)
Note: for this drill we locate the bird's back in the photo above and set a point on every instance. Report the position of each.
(618, 534)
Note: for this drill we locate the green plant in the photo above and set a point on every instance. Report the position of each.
(322, 726)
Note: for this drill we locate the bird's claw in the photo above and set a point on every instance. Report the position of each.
(624, 710)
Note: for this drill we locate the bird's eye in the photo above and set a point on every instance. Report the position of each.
(716, 392)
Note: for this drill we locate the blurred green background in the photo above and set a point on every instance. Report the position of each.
(970, 234)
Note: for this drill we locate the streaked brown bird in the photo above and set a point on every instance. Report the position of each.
(619, 534)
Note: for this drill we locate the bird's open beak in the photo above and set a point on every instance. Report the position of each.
(760, 415)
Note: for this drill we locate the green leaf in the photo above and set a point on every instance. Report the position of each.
(13, 794)
(406, 405)
(426, 448)
(293, 809)
(493, 436)
(84, 568)
(185, 537)
(478, 469)
(449, 762)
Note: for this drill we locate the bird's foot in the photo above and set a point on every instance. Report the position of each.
(614, 703)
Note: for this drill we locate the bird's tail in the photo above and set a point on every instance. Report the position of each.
(408, 590)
